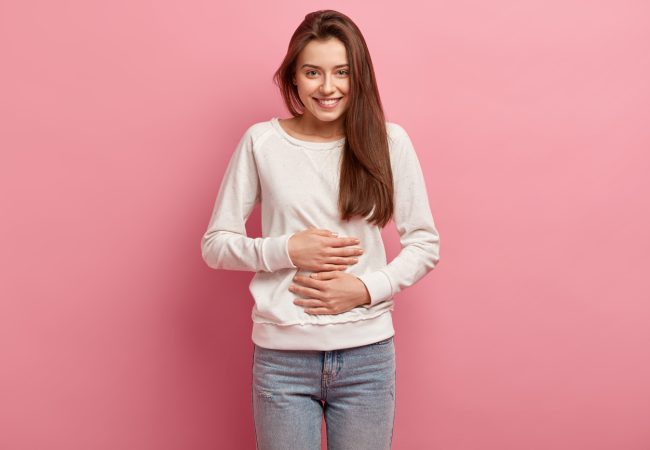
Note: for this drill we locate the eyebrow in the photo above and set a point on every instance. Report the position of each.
(316, 67)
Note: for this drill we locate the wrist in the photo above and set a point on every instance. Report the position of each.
(365, 297)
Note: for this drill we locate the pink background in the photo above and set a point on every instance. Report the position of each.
(531, 119)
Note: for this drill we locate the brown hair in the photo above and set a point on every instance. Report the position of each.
(366, 179)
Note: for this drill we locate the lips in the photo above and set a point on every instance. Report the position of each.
(328, 103)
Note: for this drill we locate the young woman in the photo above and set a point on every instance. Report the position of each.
(328, 179)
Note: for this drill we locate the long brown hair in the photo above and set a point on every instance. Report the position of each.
(366, 179)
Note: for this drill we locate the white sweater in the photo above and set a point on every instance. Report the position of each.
(297, 183)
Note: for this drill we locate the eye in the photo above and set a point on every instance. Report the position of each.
(345, 72)
(310, 71)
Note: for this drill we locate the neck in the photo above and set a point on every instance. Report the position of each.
(309, 125)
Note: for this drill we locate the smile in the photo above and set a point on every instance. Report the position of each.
(329, 103)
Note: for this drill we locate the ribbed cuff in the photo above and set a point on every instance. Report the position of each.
(378, 286)
(276, 253)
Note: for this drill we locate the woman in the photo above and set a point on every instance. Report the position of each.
(329, 179)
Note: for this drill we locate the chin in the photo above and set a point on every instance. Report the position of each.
(326, 116)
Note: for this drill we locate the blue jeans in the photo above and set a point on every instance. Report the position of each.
(353, 387)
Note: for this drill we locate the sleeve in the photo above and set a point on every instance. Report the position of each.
(419, 237)
(225, 244)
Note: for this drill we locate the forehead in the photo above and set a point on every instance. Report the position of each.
(325, 54)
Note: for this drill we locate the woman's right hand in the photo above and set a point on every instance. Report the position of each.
(321, 250)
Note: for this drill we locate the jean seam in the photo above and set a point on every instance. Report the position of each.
(257, 445)
(392, 430)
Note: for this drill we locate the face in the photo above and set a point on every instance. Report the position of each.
(322, 72)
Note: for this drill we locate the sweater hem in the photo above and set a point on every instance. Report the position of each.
(324, 337)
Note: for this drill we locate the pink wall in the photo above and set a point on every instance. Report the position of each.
(532, 123)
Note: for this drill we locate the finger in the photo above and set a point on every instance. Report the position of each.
(322, 232)
(324, 275)
(305, 292)
(309, 303)
(347, 251)
(319, 311)
(342, 260)
(343, 241)
(312, 306)
(304, 281)
(330, 267)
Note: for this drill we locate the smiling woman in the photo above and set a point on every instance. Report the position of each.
(322, 90)
(327, 81)
(329, 178)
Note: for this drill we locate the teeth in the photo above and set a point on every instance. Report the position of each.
(328, 102)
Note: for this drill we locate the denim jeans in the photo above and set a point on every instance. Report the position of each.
(354, 388)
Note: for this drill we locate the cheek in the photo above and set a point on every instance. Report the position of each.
(307, 89)
(303, 94)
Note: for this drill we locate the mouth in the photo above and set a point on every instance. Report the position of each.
(328, 103)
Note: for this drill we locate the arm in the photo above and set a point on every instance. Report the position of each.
(225, 244)
(419, 238)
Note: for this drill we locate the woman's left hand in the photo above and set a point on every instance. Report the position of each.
(332, 292)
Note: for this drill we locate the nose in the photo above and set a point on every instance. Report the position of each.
(327, 87)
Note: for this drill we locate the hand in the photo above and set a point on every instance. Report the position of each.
(320, 250)
(331, 292)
